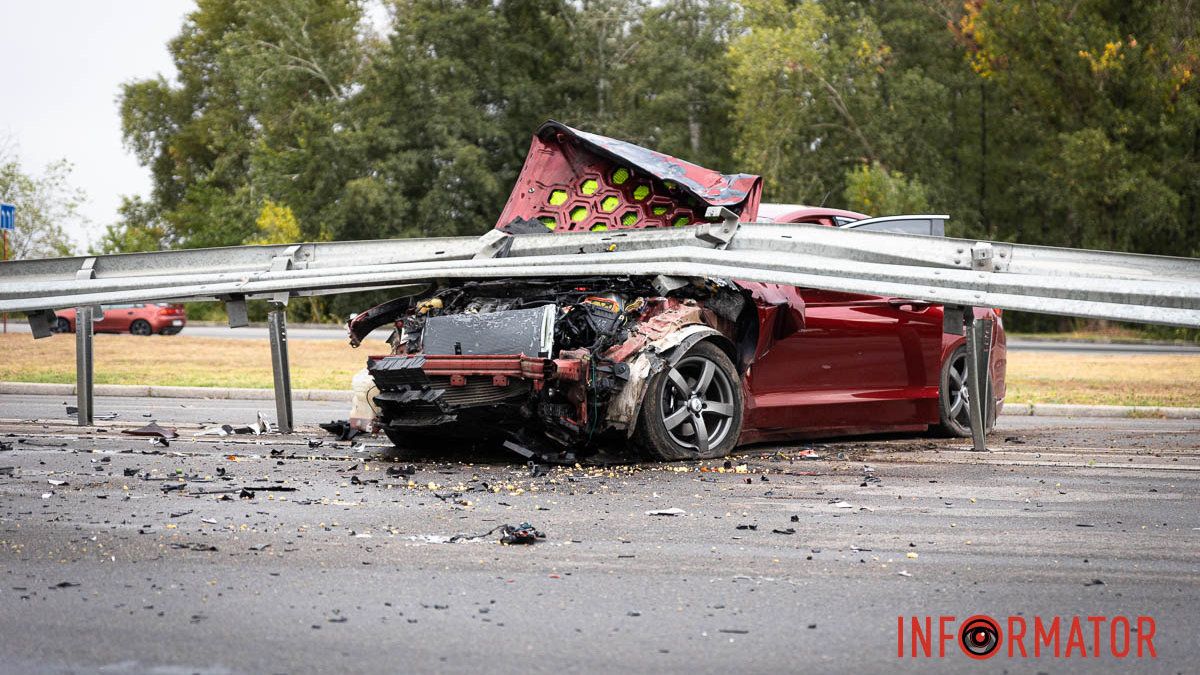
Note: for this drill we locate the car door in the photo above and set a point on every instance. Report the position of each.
(857, 362)
(116, 318)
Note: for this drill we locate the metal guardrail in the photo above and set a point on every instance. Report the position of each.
(953, 272)
(1062, 281)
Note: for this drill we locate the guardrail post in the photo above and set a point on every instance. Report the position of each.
(277, 324)
(83, 364)
(979, 351)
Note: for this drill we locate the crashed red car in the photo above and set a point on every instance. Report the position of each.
(679, 368)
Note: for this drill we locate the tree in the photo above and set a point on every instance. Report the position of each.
(45, 203)
(259, 112)
(451, 101)
(673, 93)
(809, 97)
(138, 228)
(874, 189)
(1105, 118)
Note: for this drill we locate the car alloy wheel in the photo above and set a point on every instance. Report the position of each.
(693, 408)
(697, 407)
(140, 327)
(954, 397)
(959, 406)
(62, 325)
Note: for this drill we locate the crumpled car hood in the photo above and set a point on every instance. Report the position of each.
(573, 180)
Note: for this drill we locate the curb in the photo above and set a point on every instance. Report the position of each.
(135, 390)
(342, 396)
(1074, 410)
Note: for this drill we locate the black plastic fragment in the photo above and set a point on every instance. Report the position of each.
(521, 534)
(341, 429)
(152, 429)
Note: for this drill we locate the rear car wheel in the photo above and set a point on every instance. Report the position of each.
(692, 410)
(954, 400)
(141, 327)
(62, 325)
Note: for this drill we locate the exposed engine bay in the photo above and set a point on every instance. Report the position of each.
(553, 368)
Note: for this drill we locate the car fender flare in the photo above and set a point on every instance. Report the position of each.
(692, 337)
(662, 353)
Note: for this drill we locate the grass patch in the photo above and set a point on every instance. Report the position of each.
(1033, 377)
(1115, 336)
(184, 361)
(1104, 379)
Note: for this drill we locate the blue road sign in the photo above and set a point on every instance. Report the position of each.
(8, 217)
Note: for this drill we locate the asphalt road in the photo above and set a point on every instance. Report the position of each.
(337, 333)
(151, 559)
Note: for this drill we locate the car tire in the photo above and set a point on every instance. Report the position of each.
(141, 327)
(953, 400)
(61, 325)
(683, 417)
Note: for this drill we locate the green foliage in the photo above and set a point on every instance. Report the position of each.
(1049, 123)
(870, 188)
(138, 229)
(419, 133)
(1099, 119)
(276, 225)
(44, 204)
(261, 111)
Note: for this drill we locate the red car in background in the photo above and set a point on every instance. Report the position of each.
(138, 319)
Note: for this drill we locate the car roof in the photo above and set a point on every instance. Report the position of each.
(791, 213)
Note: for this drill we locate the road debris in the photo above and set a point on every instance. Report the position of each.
(667, 512)
(523, 534)
(261, 426)
(192, 546)
(152, 429)
(341, 429)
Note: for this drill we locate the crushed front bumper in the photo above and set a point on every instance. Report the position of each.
(479, 395)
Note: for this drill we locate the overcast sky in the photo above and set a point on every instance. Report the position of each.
(61, 64)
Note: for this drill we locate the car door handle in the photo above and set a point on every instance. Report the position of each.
(914, 305)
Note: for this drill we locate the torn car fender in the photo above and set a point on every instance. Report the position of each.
(781, 312)
(663, 352)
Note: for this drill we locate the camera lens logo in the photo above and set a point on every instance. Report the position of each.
(979, 636)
